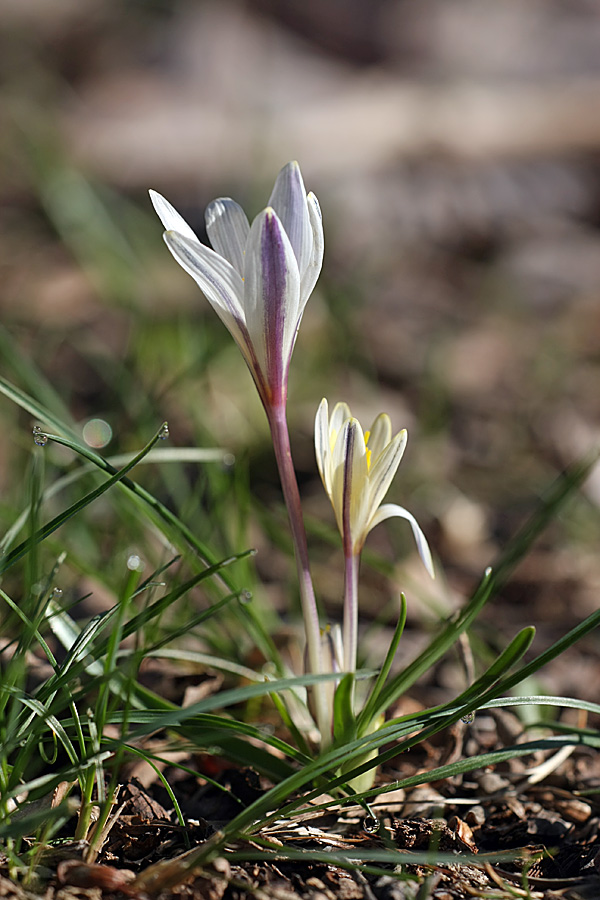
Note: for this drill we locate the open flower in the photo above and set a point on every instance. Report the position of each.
(259, 277)
(357, 470)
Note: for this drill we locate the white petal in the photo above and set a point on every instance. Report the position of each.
(271, 294)
(315, 262)
(288, 199)
(221, 284)
(387, 511)
(227, 227)
(170, 218)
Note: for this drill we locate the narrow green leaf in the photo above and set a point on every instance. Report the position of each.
(558, 493)
(232, 697)
(432, 722)
(77, 642)
(41, 716)
(367, 715)
(447, 714)
(459, 767)
(289, 723)
(436, 649)
(344, 720)
(16, 395)
(544, 700)
(589, 624)
(26, 823)
(154, 509)
(40, 535)
(205, 659)
(509, 656)
(30, 626)
(351, 858)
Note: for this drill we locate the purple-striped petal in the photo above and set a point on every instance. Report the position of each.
(288, 199)
(271, 295)
(259, 278)
(350, 482)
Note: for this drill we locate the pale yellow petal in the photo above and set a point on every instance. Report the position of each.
(350, 483)
(383, 470)
(341, 412)
(387, 511)
(379, 436)
(323, 445)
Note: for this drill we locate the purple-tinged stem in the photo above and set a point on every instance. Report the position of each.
(350, 631)
(291, 494)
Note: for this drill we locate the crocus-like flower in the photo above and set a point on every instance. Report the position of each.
(259, 277)
(357, 470)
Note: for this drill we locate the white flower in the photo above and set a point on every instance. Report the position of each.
(258, 278)
(357, 470)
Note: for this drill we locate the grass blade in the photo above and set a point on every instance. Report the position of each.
(41, 534)
(369, 710)
(558, 493)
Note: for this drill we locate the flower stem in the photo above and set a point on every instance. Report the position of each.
(281, 444)
(350, 634)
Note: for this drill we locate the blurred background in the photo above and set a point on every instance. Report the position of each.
(454, 147)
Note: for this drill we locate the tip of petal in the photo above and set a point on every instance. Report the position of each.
(313, 201)
(213, 210)
(270, 216)
(157, 199)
